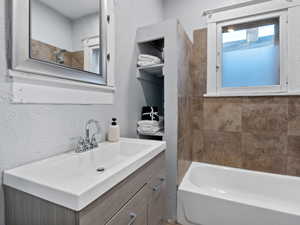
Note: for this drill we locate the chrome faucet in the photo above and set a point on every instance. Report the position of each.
(88, 143)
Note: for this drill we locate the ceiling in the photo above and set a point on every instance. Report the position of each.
(73, 9)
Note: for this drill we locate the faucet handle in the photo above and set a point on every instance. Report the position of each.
(94, 142)
(81, 146)
(81, 141)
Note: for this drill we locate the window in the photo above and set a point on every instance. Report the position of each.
(95, 65)
(253, 49)
(92, 53)
(250, 54)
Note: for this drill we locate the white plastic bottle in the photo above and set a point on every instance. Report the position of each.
(114, 131)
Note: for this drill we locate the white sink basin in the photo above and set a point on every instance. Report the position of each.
(72, 179)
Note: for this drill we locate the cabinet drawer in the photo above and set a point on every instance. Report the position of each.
(104, 208)
(134, 212)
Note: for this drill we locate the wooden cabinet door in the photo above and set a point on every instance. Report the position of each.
(157, 203)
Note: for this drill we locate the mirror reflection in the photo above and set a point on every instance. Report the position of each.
(66, 32)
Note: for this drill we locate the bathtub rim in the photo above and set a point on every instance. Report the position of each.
(189, 187)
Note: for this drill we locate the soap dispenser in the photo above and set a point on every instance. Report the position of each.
(114, 131)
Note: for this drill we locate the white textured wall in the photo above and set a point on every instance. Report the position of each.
(52, 27)
(32, 132)
(87, 26)
(189, 12)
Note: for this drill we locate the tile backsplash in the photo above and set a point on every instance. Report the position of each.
(256, 133)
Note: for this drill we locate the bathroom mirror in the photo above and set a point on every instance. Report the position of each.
(62, 38)
(66, 32)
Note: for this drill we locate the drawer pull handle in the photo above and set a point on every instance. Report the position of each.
(156, 188)
(132, 218)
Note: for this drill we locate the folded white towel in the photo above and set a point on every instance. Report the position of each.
(149, 58)
(151, 123)
(150, 127)
(152, 131)
(148, 123)
(141, 63)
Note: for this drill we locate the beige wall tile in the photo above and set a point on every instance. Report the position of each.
(183, 163)
(265, 162)
(294, 100)
(198, 145)
(294, 117)
(78, 60)
(222, 116)
(270, 144)
(265, 118)
(197, 113)
(266, 100)
(294, 146)
(199, 63)
(185, 104)
(182, 120)
(184, 64)
(42, 51)
(45, 52)
(293, 166)
(224, 148)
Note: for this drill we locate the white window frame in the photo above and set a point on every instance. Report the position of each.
(247, 10)
(89, 44)
(282, 87)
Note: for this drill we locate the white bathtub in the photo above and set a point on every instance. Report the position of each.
(216, 195)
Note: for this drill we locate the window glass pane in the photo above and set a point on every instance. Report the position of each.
(95, 62)
(250, 54)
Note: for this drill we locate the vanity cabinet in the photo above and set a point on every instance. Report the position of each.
(134, 212)
(137, 200)
(156, 205)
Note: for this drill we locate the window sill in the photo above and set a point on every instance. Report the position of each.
(35, 89)
(258, 94)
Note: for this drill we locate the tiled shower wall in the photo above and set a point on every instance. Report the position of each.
(256, 133)
(185, 131)
(46, 52)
